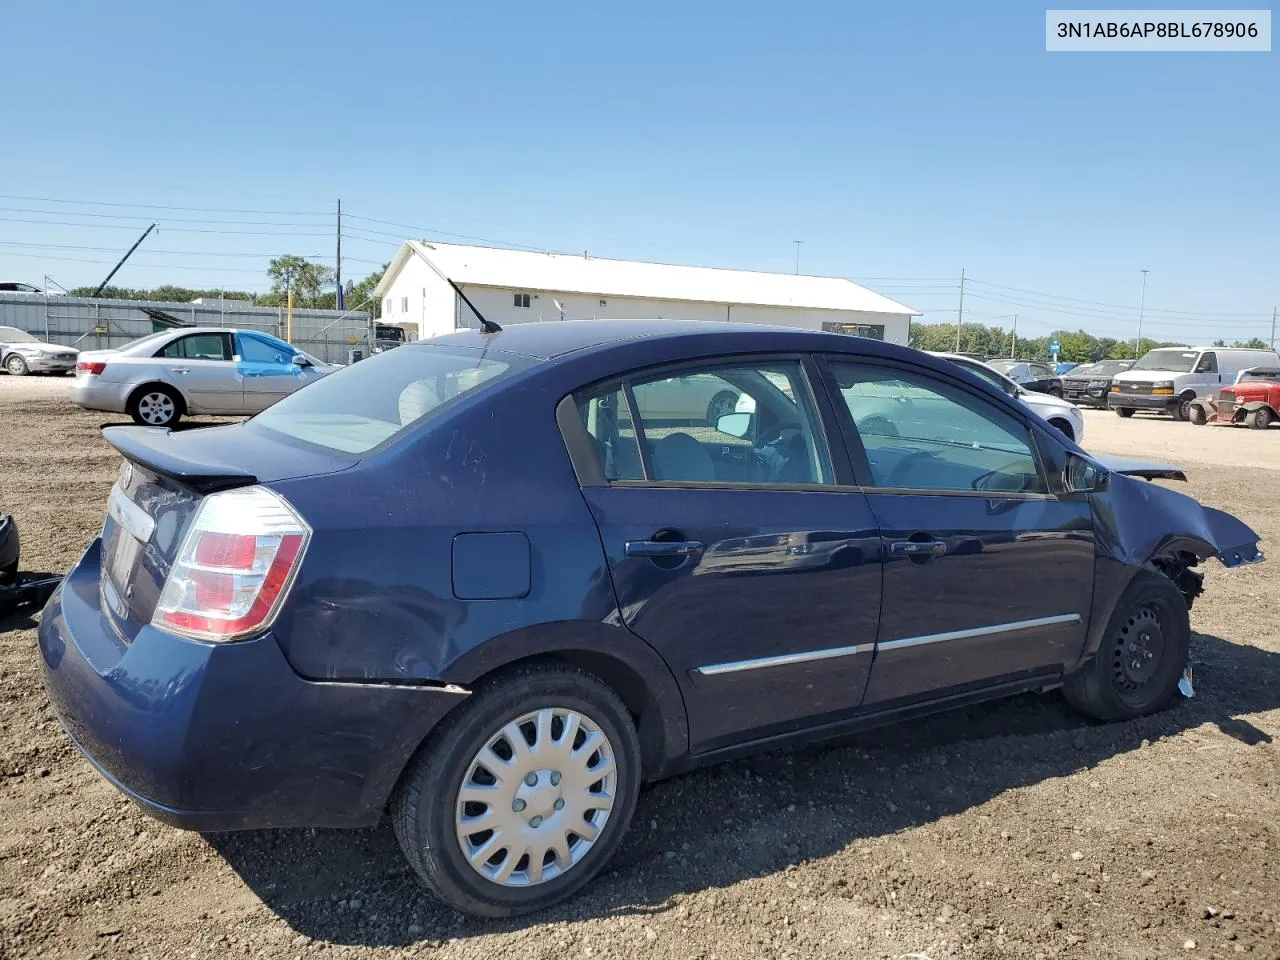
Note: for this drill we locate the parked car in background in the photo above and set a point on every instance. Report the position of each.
(193, 370)
(1089, 385)
(22, 353)
(1030, 374)
(1064, 368)
(15, 286)
(1168, 379)
(1253, 399)
(465, 581)
(1066, 417)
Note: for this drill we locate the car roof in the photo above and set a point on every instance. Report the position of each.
(547, 340)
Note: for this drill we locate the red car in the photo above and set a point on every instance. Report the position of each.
(1254, 399)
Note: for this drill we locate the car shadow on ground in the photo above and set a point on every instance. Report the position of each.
(755, 817)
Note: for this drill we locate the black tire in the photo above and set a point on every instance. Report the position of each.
(1261, 418)
(145, 407)
(1142, 655)
(1181, 409)
(16, 365)
(1198, 416)
(425, 803)
(722, 404)
(1125, 412)
(1064, 428)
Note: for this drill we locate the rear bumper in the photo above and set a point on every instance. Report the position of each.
(224, 736)
(1139, 401)
(92, 394)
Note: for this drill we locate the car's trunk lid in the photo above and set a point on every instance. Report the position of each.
(162, 482)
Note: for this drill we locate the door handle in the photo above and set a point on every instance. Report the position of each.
(661, 548)
(918, 548)
(181, 369)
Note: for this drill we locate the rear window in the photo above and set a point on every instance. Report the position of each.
(369, 403)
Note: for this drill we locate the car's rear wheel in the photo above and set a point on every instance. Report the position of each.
(17, 366)
(1142, 655)
(1198, 416)
(523, 794)
(155, 406)
(1261, 418)
(1125, 412)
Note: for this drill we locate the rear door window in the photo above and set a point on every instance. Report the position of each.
(725, 423)
(198, 346)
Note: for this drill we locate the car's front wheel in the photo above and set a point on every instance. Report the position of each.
(155, 406)
(1125, 412)
(1181, 409)
(1142, 656)
(1261, 418)
(1199, 416)
(523, 794)
(17, 366)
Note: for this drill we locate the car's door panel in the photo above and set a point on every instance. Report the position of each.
(268, 371)
(738, 558)
(1007, 597)
(771, 623)
(988, 573)
(200, 366)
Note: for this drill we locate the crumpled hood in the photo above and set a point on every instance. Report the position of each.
(1136, 519)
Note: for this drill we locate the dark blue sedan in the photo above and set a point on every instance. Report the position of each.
(494, 581)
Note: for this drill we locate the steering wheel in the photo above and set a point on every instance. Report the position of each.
(768, 455)
(984, 481)
(903, 467)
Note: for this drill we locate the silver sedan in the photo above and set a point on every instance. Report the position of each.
(193, 370)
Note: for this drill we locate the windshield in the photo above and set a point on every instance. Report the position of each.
(14, 335)
(1175, 361)
(368, 403)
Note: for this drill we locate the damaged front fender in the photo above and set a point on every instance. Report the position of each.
(1136, 522)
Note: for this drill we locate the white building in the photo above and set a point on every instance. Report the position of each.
(516, 286)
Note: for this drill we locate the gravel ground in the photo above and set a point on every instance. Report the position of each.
(1010, 830)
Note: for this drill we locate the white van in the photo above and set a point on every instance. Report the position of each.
(1169, 378)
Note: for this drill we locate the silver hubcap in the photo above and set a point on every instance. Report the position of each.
(15, 365)
(535, 797)
(156, 408)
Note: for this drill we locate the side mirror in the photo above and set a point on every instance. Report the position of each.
(300, 361)
(735, 424)
(1083, 475)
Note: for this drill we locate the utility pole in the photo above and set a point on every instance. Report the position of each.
(960, 313)
(1273, 328)
(1137, 344)
(337, 272)
(1014, 352)
(797, 243)
(122, 260)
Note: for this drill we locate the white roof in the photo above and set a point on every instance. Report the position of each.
(570, 273)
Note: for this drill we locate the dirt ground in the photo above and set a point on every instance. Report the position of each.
(1011, 830)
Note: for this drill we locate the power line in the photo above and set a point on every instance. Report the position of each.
(162, 220)
(153, 206)
(131, 227)
(180, 253)
(1115, 306)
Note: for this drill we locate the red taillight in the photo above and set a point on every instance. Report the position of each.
(234, 568)
(91, 367)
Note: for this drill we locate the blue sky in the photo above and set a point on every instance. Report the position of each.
(900, 140)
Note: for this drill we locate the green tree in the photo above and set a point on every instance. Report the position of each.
(305, 278)
(1253, 343)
